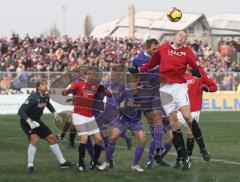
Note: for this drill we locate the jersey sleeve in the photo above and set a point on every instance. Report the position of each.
(134, 62)
(30, 102)
(73, 87)
(209, 82)
(50, 106)
(192, 60)
(154, 61)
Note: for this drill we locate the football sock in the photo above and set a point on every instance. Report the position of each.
(81, 152)
(90, 148)
(197, 134)
(57, 152)
(138, 155)
(97, 152)
(110, 150)
(72, 136)
(31, 154)
(190, 146)
(167, 146)
(178, 143)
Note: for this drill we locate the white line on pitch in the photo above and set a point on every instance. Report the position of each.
(194, 157)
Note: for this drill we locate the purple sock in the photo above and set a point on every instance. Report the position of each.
(138, 155)
(105, 142)
(90, 148)
(109, 152)
(167, 147)
(151, 151)
(157, 136)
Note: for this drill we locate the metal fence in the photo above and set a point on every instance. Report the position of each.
(13, 82)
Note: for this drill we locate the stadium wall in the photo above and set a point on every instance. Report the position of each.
(220, 101)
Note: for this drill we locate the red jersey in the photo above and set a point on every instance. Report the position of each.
(195, 89)
(85, 96)
(173, 63)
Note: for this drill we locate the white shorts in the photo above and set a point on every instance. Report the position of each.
(85, 125)
(179, 93)
(195, 115)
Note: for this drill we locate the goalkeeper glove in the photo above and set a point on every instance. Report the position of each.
(57, 117)
(32, 124)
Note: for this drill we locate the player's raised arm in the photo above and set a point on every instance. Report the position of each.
(104, 90)
(69, 89)
(50, 107)
(208, 84)
(154, 61)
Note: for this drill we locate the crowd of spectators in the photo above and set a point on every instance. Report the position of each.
(23, 55)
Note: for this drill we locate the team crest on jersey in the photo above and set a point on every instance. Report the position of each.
(190, 81)
(41, 105)
(26, 102)
(175, 53)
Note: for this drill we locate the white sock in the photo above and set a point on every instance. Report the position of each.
(57, 152)
(31, 154)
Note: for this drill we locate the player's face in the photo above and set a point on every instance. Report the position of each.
(82, 72)
(153, 48)
(114, 76)
(180, 39)
(75, 74)
(42, 88)
(91, 76)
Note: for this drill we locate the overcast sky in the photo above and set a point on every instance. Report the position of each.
(38, 16)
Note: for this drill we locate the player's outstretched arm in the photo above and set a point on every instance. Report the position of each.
(154, 61)
(103, 89)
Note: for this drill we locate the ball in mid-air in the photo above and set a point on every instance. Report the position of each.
(174, 14)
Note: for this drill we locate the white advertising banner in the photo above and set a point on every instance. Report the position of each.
(9, 104)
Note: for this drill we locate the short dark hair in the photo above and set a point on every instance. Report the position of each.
(40, 81)
(149, 42)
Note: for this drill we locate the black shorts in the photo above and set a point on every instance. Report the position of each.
(42, 131)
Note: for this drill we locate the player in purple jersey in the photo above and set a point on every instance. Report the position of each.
(146, 90)
(110, 114)
(120, 125)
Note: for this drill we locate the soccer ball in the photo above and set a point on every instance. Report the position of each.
(174, 14)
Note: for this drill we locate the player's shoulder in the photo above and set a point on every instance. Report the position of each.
(138, 57)
(32, 97)
(164, 46)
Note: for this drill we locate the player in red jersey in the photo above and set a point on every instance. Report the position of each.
(82, 116)
(173, 59)
(196, 87)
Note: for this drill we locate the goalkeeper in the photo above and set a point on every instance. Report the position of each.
(30, 113)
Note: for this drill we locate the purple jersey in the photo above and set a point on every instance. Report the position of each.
(149, 77)
(117, 90)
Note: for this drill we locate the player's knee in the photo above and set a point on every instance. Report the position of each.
(142, 141)
(84, 139)
(98, 140)
(33, 140)
(189, 135)
(187, 117)
(52, 139)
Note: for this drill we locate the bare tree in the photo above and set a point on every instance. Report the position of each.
(88, 25)
(54, 31)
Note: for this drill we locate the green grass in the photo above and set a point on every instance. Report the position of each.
(221, 133)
